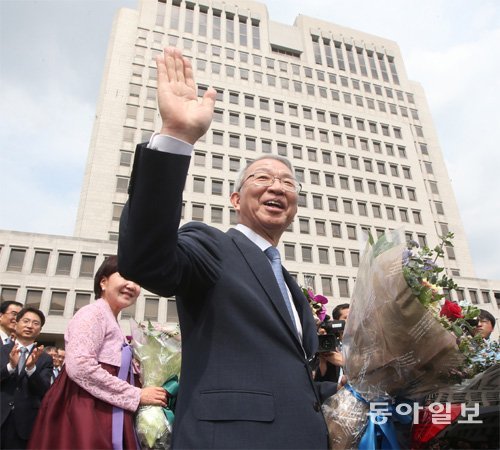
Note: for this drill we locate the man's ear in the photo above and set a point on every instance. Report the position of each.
(235, 200)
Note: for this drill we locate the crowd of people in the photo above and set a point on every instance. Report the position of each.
(251, 376)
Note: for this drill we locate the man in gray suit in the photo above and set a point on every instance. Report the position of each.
(247, 330)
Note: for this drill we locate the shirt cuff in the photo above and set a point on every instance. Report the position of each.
(31, 371)
(169, 144)
(10, 368)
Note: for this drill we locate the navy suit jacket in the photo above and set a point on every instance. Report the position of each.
(245, 380)
(21, 395)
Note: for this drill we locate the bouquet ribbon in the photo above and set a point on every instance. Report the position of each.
(172, 387)
(117, 418)
(376, 426)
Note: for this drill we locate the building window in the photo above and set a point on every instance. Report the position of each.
(326, 285)
(411, 194)
(81, 299)
(358, 185)
(40, 262)
(372, 187)
(320, 227)
(377, 212)
(363, 211)
(317, 202)
(198, 212)
(8, 294)
(339, 257)
(151, 308)
(344, 182)
(314, 177)
(302, 200)
(354, 258)
(217, 161)
(417, 217)
(57, 302)
(344, 287)
(217, 187)
(336, 230)
(389, 210)
(385, 189)
(290, 252)
(216, 214)
(306, 253)
(347, 206)
(122, 184)
(64, 262)
(234, 164)
(33, 298)
(351, 232)
(199, 185)
(486, 296)
(333, 204)
(323, 256)
(329, 180)
(304, 226)
(87, 266)
(125, 158)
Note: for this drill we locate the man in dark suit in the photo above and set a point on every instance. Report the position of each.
(25, 372)
(246, 336)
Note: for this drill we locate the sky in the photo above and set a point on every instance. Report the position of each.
(52, 58)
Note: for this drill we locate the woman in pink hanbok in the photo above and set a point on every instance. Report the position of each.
(92, 402)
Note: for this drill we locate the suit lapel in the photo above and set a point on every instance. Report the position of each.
(260, 266)
(309, 335)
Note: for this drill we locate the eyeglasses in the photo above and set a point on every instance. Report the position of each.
(11, 313)
(266, 179)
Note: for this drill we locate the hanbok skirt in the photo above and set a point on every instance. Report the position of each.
(71, 418)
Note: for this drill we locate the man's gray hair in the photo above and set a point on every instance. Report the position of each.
(242, 173)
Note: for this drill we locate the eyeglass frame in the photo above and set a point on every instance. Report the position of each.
(298, 185)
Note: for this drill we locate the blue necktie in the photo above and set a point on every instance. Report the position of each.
(22, 359)
(274, 256)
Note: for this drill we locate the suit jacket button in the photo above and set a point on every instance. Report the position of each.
(317, 407)
(11, 403)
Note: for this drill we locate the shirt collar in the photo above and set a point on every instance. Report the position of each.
(257, 239)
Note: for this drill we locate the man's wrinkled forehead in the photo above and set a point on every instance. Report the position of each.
(272, 166)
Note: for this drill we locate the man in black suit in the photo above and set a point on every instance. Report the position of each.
(246, 337)
(25, 372)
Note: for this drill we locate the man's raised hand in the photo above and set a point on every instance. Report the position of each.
(183, 115)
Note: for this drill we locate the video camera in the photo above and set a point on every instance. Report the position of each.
(331, 340)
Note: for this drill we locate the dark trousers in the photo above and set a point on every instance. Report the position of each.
(9, 439)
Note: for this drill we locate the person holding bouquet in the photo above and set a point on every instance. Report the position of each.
(247, 328)
(92, 401)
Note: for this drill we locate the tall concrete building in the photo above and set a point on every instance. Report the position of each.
(337, 102)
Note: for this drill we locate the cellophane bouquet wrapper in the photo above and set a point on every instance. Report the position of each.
(158, 351)
(392, 345)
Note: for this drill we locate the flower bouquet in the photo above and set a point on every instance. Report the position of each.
(158, 351)
(396, 344)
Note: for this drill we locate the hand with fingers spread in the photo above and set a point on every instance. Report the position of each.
(33, 358)
(184, 116)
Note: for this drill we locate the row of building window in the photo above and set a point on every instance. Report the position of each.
(40, 263)
(223, 26)
(275, 73)
(66, 303)
(227, 26)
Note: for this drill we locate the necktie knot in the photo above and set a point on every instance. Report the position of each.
(273, 254)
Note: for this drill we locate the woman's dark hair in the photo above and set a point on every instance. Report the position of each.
(108, 267)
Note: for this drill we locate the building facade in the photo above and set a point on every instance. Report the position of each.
(337, 102)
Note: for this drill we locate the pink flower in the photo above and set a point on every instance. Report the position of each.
(320, 299)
